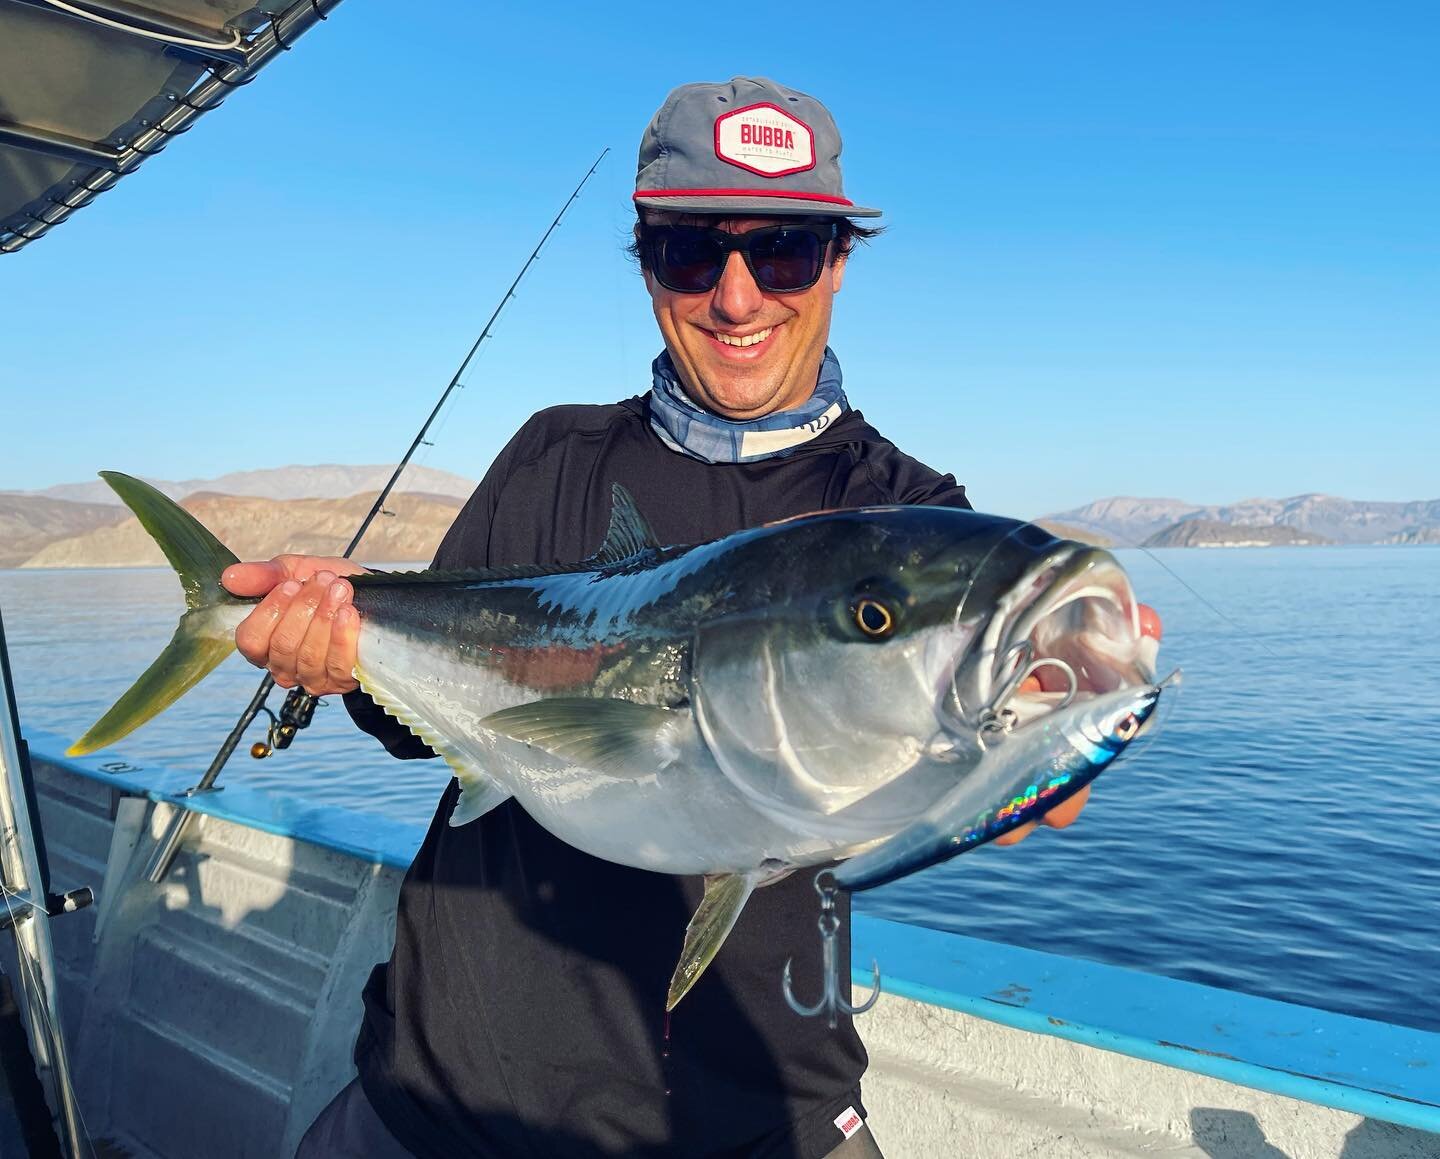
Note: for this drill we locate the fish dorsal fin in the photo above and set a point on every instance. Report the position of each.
(629, 534)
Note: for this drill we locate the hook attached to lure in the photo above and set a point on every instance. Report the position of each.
(831, 1001)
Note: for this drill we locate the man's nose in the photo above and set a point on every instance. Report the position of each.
(737, 297)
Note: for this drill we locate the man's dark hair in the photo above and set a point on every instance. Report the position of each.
(848, 233)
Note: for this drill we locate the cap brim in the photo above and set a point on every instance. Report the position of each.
(759, 206)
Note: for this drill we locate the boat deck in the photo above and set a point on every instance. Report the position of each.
(213, 1015)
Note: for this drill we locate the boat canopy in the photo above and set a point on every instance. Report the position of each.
(91, 88)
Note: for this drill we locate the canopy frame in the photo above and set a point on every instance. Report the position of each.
(101, 164)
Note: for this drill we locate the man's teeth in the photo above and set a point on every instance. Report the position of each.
(747, 340)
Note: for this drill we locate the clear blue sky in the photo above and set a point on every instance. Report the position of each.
(1147, 249)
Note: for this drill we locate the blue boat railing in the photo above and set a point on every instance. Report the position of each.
(1376, 1069)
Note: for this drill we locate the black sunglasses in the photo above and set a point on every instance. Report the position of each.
(783, 259)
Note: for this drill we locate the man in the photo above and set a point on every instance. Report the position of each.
(522, 1012)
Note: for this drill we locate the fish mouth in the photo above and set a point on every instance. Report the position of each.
(1072, 622)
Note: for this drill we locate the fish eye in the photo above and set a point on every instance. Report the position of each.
(1127, 728)
(873, 617)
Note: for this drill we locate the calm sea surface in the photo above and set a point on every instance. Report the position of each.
(1279, 836)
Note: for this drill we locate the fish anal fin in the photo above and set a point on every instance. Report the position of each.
(479, 792)
(618, 738)
(725, 896)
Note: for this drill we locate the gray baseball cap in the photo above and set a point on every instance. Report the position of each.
(747, 145)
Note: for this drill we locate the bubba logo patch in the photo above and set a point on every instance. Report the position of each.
(849, 1122)
(765, 139)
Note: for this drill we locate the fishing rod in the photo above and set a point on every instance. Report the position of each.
(299, 705)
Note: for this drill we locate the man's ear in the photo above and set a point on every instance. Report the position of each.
(837, 272)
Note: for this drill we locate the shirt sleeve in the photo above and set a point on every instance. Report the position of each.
(941, 491)
(902, 479)
(466, 544)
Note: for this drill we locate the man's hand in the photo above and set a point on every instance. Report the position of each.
(1065, 813)
(304, 630)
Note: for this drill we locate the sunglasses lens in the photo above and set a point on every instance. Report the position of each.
(688, 261)
(788, 259)
(783, 258)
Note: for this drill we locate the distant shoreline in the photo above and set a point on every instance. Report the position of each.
(421, 565)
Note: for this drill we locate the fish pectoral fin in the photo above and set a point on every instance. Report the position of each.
(725, 896)
(616, 737)
(479, 792)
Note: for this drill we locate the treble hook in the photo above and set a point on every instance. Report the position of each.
(831, 1001)
(999, 718)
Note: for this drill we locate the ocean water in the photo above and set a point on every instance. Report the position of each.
(1279, 835)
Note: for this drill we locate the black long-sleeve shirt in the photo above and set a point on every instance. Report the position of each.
(523, 1010)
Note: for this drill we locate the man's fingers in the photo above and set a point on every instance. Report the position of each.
(1150, 622)
(253, 636)
(1065, 813)
(289, 634)
(1062, 815)
(326, 651)
(292, 631)
(1019, 833)
(340, 661)
(258, 578)
(311, 656)
(253, 579)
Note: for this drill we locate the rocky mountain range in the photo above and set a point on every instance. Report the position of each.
(1320, 518)
(255, 528)
(29, 522)
(316, 509)
(1213, 533)
(317, 515)
(325, 481)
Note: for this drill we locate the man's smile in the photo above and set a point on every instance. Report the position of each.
(742, 346)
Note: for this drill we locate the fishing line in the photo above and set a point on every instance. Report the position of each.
(1234, 623)
(299, 704)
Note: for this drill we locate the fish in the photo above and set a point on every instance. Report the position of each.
(844, 686)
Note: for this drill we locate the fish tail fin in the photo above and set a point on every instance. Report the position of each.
(202, 639)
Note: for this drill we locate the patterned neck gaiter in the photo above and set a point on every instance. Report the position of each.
(686, 428)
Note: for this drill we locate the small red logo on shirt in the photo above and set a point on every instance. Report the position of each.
(849, 1122)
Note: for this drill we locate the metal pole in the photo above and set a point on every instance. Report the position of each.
(20, 875)
(169, 844)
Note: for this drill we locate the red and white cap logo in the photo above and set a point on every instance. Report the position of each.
(765, 139)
